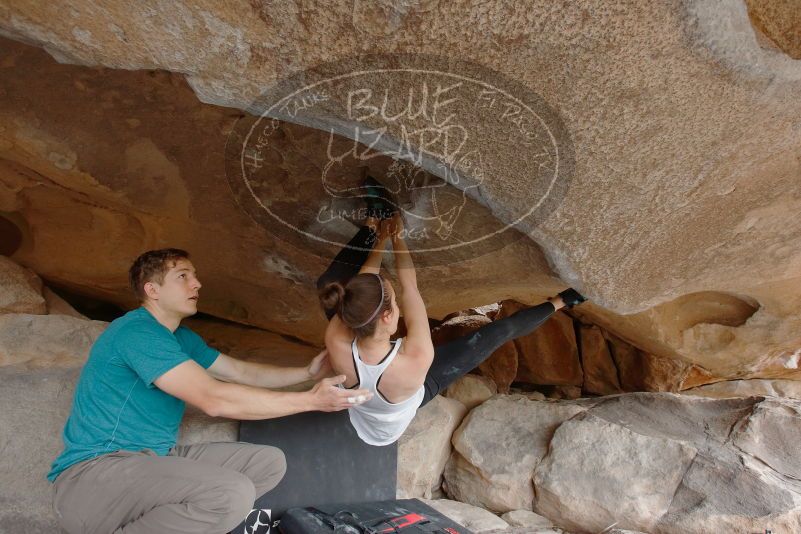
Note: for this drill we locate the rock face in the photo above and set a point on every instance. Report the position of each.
(549, 355)
(676, 211)
(600, 373)
(640, 371)
(154, 194)
(747, 388)
(653, 462)
(114, 165)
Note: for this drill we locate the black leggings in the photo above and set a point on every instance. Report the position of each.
(455, 358)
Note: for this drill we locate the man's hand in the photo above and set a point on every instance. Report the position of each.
(327, 397)
(320, 366)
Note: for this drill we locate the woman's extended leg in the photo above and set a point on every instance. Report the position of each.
(460, 356)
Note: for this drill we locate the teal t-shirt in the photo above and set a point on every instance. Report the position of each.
(116, 406)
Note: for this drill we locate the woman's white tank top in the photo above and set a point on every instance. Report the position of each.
(378, 421)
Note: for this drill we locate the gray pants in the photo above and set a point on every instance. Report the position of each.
(207, 488)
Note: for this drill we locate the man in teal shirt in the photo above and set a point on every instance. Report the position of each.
(120, 470)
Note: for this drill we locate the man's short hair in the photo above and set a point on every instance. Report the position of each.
(151, 267)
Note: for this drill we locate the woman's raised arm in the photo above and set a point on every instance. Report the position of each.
(418, 337)
(373, 262)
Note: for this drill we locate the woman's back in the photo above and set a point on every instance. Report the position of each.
(381, 420)
(399, 380)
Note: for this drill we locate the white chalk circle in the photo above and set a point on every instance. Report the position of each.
(466, 155)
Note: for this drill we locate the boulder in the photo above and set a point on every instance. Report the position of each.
(549, 355)
(501, 367)
(777, 23)
(479, 471)
(723, 490)
(425, 447)
(650, 462)
(736, 495)
(36, 405)
(46, 341)
(771, 433)
(20, 289)
(35, 408)
(475, 519)
(471, 390)
(634, 476)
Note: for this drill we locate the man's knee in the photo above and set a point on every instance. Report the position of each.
(69, 521)
(268, 470)
(237, 494)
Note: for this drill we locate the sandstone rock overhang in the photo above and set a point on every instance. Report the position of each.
(683, 120)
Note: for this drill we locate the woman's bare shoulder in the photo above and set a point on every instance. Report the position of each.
(338, 346)
(415, 352)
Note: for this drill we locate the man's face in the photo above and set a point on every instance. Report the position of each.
(178, 293)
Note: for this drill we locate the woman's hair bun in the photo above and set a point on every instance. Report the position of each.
(332, 297)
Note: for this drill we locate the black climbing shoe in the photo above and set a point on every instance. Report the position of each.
(380, 203)
(571, 297)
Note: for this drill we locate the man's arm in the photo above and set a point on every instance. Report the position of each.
(191, 383)
(265, 375)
